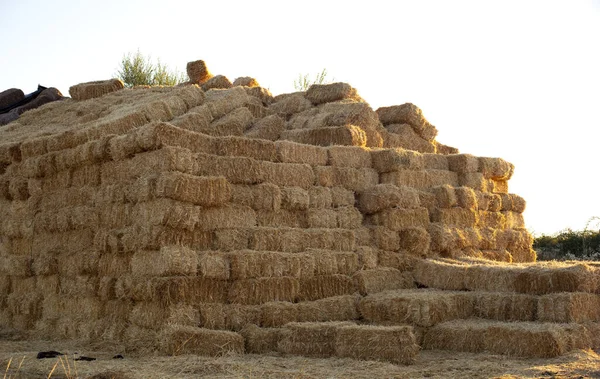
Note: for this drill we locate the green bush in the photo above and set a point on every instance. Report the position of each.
(568, 245)
(137, 70)
(304, 81)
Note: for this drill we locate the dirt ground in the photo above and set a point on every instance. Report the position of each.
(430, 364)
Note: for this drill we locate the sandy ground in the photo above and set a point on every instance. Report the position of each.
(431, 364)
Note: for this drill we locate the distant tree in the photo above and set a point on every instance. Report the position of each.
(304, 81)
(569, 244)
(136, 70)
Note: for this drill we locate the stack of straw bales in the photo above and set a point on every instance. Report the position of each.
(213, 217)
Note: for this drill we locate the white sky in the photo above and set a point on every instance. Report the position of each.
(513, 79)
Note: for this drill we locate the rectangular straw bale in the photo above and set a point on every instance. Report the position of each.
(382, 279)
(458, 217)
(423, 180)
(177, 340)
(475, 180)
(289, 174)
(495, 220)
(326, 93)
(263, 290)
(204, 191)
(320, 197)
(231, 239)
(367, 257)
(234, 123)
(213, 264)
(435, 162)
(349, 156)
(342, 197)
(323, 286)
(60, 180)
(295, 198)
(261, 150)
(384, 238)
(414, 241)
(282, 218)
(514, 220)
(505, 306)
(149, 314)
(260, 340)
(32, 148)
(404, 136)
(89, 175)
(477, 277)
(296, 240)
(292, 152)
(198, 119)
(226, 217)
(441, 275)
(396, 344)
(466, 198)
(348, 218)
(237, 170)
(456, 335)
(191, 95)
(390, 160)
(10, 152)
(345, 135)
(309, 339)
(417, 307)
(560, 278)
(223, 101)
(565, 307)
(495, 168)
(182, 289)
(156, 135)
(399, 218)
(463, 163)
(329, 262)
(321, 218)
(267, 128)
(445, 196)
(168, 261)
(338, 308)
(383, 196)
(500, 186)
(248, 264)
(228, 316)
(264, 196)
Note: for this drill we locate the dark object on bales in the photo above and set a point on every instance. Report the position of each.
(48, 354)
(33, 100)
(84, 358)
(118, 356)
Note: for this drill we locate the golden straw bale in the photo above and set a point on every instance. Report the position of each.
(347, 135)
(414, 241)
(389, 160)
(223, 101)
(263, 94)
(234, 123)
(396, 344)
(422, 180)
(493, 201)
(216, 82)
(384, 238)
(32, 148)
(476, 181)
(326, 93)
(169, 260)
(291, 152)
(16, 265)
(230, 239)
(264, 196)
(213, 264)
(399, 218)
(313, 339)
(260, 340)
(204, 191)
(348, 218)
(198, 119)
(404, 136)
(90, 90)
(245, 147)
(237, 170)
(180, 289)
(518, 203)
(460, 217)
(178, 340)
(358, 114)
(18, 188)
(227, 316)
(405, 113)
(263, 290)
(500, 186)
(514, 220)
(496, 168)
(282, 218)
(367, 257)
(496, 220)
(321, 218)
(248, 264)
(159, 134)
(457, 335)
(192, 95)
(296, 240)
(541, 280)
(256, 108)
(197, 72)
(9, 153)
(349, 156)
(268, 128)
(466, 198)
(505, 202)
(289, 174)
(477, 277)
(505, 306)
(324, 286)
(355, 179)
(338, 308)
(176, 104)
(435, 162)
(463, 163)
(287, 105)
(327, 262)
(417, 307)
(445, 196)
(569, 307)
(320, 197)
(382, 279)
(441, 275)
(383, 196)
(245, 81)
(295, 198)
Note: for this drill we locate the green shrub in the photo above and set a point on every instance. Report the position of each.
(137, 70)
(569, 244)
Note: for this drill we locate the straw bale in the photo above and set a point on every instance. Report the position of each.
(400, 114)
(505, 306)
(576, 307)
(496, 220)
(247, 264)
(348, 218)
(342, 197)
(260, 340)
(346, 135)
(384, 238)
(290, 104)
(231, 239)
(237, 170)
(169, 260)
(321, 218)
(399, 218)
(198, 120)
(234, 123)
(90, 90)
(518, 203)
(476, 181)
(382, 279)
(327, 262)
(178, 340)
(245, 81)
(264, 196)
(463, 163)
(544, 280)
(263, 94)
(245, 147)
(489, 201)
(149, 315)
(524, 255)
(223, 101)
(320, 197)
(313, 339)
(459, 217)
(435, 162)
(417, 307)
(505, 202)
(424, 179)
(17, 265)
(44, 264)
(21, 285)
(339, 308)
(204, 191)
(445, 196)
(396, 344)
(213, 264)
(89, 175)
(355, 179)
(323, 286)
(349, 156)
(181, 289)
(268, 128)
(514, 220)
(18, 188)
(291, 152)
(295, 198)
(228, 316)
(80, 285)
(477, 278)
(282, 218)
(516, 239)
(289, 174)
(441, 275)
(384, 196)
(389, 160)
(216, 82)
(496, 168)
(499, 186)
(359, 114)
(404, 136)
(466, 198)
(176, 105)
(326, 93)
(192, 95)
(263, 290)
(414, 241)
(197, 72)
(457, 335)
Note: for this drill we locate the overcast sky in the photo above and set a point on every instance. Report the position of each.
(513, 79)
